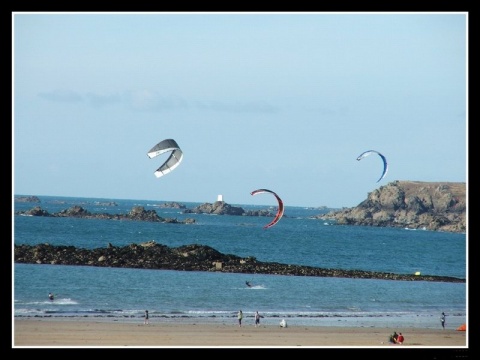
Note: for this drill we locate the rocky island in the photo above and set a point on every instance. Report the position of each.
(151, 255)
(222, 208)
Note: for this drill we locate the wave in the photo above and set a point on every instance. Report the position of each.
(358, 319)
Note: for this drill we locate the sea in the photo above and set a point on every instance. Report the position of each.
(192, 297)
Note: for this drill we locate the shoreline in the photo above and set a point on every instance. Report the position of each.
(52, 333)
(348, 320)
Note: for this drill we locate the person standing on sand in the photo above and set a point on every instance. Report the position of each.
(257, 318)
(442, 320)
(145, 321)
(240, 317)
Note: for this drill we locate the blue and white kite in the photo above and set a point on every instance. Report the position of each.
(385, 165)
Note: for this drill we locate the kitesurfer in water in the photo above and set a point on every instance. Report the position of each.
(248, 283)
(50, 296)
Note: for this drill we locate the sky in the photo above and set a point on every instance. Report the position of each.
(282, 101)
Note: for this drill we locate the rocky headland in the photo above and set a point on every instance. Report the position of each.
(151, 255)
(437, 206)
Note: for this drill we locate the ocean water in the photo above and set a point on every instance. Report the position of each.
(116, 294)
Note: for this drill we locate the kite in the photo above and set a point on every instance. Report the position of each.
(385, 165)
(173, 160)
(279, 214)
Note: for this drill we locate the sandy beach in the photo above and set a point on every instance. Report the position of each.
(33, 332)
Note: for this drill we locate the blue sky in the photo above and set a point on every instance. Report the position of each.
(283, 101)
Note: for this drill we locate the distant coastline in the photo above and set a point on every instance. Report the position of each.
(435, 206)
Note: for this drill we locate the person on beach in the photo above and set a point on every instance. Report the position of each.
(50, 296)
(145, 321)
(283, 323)
(393, 338)
(257, 318)
(400, 339)
(240, 317)
(442, 320)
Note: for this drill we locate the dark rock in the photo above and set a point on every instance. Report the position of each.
(151, 255)
(36, 211)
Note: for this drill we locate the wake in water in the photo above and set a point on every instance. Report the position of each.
(56, 302)
(253, 287)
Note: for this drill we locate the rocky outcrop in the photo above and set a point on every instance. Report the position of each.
(151, 255)
(172, 205)
(261, 212)
(32, 199)
(222, 208)
(137, 213)
(438, 206)
(218, 208)
(105, 203)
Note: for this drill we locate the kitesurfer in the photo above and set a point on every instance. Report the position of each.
(248, 283)
(50, 296)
